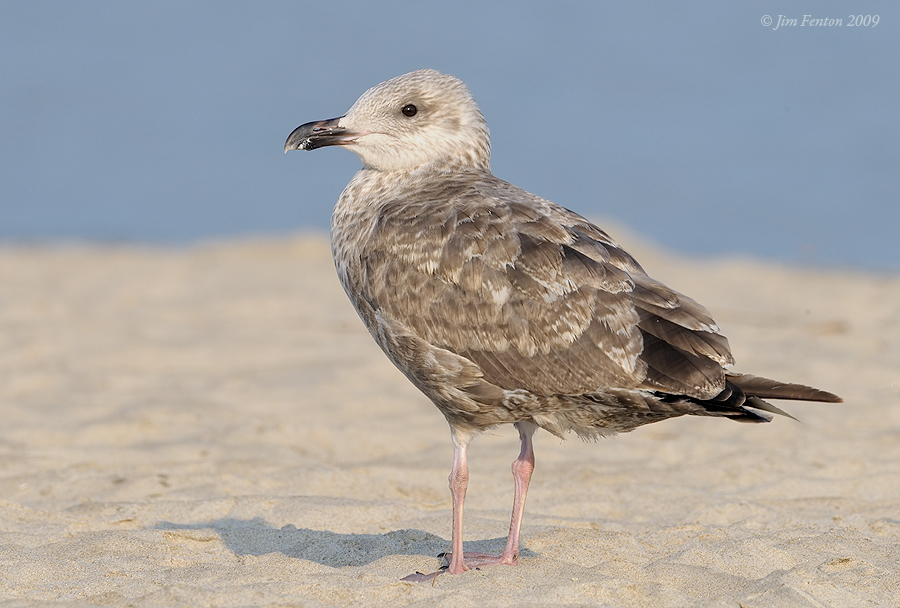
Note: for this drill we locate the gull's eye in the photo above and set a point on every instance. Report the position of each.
(409, 110)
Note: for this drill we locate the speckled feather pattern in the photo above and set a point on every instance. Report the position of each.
(502, 306)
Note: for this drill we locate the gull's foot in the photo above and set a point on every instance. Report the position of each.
(472, 561)
(478, 560)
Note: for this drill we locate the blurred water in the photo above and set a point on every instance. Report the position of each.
(692, 123)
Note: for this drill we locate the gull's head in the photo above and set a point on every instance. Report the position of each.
(413, 120)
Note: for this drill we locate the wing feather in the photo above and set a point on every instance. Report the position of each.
(675, 371)
(699, 343)
(536, 296)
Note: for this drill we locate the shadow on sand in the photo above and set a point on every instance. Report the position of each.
(256, 537)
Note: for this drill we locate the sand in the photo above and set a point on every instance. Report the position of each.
(212, 426)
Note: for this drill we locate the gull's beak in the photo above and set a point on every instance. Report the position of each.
(318, 134)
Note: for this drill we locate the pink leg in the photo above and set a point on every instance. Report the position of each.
(459, 481)
(522, 468)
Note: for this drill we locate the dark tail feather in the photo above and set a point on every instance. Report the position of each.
(758, 404)
(742, 398)
(756, 386)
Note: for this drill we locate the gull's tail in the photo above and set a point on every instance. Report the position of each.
(744, 394)
(763, 388)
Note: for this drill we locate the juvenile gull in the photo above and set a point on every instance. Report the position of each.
(504, 307)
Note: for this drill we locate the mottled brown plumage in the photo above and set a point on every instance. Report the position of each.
(503, 307)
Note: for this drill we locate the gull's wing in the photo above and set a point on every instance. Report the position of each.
(535, 295)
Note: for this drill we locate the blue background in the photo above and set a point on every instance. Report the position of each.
(691, 123)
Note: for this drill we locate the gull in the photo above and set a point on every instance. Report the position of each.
(503, 307)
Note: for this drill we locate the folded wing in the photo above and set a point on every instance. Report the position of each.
(536, 296)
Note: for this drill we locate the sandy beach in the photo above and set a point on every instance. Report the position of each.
(213, 426)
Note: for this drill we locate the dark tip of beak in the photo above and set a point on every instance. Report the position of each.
(317, 134)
